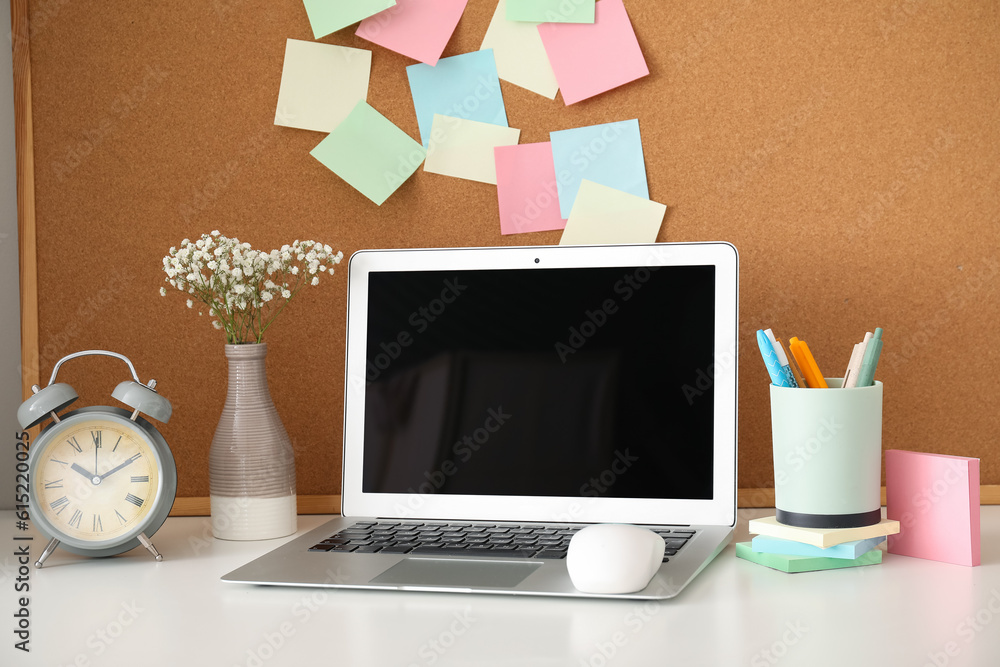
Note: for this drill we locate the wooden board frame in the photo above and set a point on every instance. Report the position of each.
(939, 151)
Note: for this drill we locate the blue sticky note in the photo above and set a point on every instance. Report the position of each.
(609, 154)
(463, 86)
(846, 550)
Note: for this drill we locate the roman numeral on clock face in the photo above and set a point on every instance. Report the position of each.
(59, 504)
(98, 526)
(135, 500)
(74, 444)
(75, 519)
(96, 435)
(140, 478)
(56, 484)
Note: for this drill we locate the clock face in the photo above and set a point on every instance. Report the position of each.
(96, 478)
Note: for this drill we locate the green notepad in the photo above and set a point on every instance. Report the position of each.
(370, 153)
(787, 563)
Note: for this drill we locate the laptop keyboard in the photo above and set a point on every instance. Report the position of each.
(470, 539)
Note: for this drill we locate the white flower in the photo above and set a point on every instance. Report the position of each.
(234, 282)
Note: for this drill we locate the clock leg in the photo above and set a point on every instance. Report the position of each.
(48, 552)
(149, 545)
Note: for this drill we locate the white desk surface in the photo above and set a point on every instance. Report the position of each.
(130, 610)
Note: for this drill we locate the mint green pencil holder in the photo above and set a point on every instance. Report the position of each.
(827, 447)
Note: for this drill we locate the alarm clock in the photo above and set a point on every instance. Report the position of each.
(101, 480)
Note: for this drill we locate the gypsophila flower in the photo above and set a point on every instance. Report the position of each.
(242, 288)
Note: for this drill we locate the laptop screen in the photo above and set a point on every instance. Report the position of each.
(547, 383)
(569, 382)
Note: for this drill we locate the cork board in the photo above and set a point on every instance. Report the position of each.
(850, 151)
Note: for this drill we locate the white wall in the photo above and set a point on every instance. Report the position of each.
(10, 320)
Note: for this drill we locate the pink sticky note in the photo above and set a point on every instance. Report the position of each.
(935, 498)
(591, 58)
(419, 29)
(526, 188)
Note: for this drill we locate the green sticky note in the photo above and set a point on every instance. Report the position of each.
(787, 563)
(370, 153)
(551, 11)
(326, 16)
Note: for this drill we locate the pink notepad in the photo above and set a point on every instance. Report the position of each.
(419, 29)
(591, 58)
(935, 498)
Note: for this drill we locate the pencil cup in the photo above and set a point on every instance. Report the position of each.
(827, 455)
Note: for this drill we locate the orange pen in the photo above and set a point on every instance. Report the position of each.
(807, 365)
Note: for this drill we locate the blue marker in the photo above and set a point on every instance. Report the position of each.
(774, 368)
(782, 359)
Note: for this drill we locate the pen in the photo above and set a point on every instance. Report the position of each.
(866, 375)
(792, 366)
(782, 359)
(807, 364)
(770, 358)
(854, 365)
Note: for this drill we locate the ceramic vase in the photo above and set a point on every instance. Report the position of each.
(251, 462)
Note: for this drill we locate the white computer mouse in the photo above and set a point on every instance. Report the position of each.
(613, 558)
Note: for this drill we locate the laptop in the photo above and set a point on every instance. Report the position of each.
(499, 399)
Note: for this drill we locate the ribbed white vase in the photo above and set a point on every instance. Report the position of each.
(251, 463)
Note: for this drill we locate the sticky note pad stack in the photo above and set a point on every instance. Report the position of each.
(794, 549)
(936, 499)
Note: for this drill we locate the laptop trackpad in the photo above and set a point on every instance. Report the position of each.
(456, 573)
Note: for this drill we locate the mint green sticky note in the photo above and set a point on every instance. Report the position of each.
(551, 11)
(374, 156)
(326, 16)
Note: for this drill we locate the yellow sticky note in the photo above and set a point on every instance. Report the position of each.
(464, 148)
(321, 84)
(604, 215)
(519, 53)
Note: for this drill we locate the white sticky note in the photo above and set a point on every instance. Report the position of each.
(604, 215)
(520, 54)
(464, 148)
(321, 84)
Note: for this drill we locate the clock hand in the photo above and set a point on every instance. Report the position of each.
(78, 468)
(119, 467)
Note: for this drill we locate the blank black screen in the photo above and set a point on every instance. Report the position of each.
(548, 382)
